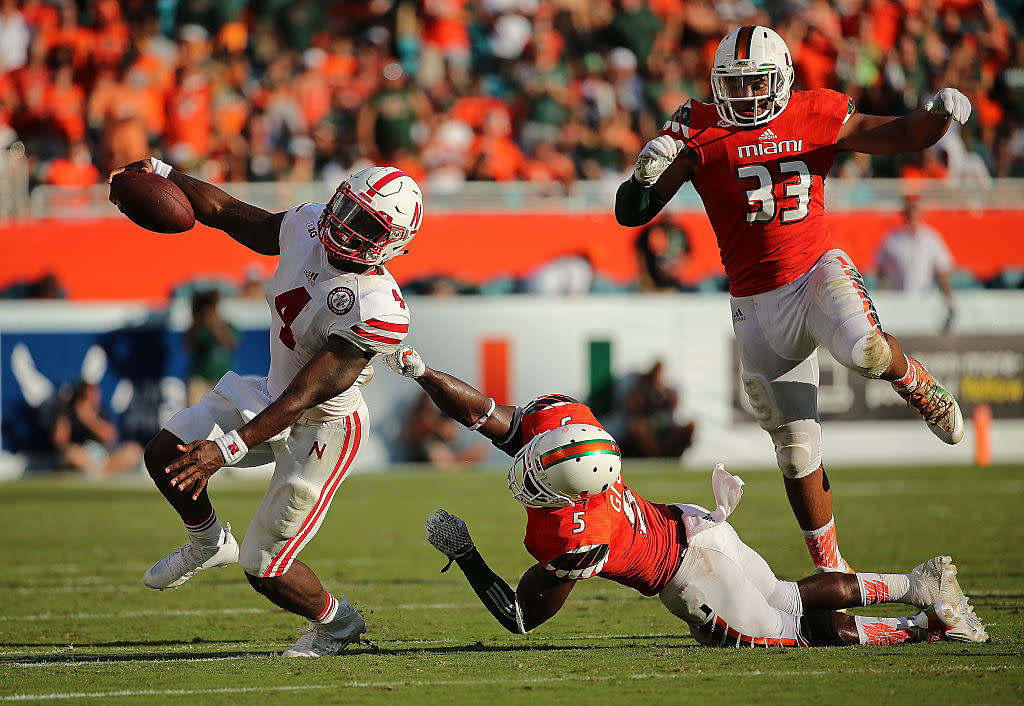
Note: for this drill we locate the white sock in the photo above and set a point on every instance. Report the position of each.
(334, 610)
(883, 588)
(907, 383)
(206, 532)
(886, 631)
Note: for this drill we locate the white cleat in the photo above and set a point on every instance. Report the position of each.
(934, 580)
(189, 559)
(963, 624)
(330, 639)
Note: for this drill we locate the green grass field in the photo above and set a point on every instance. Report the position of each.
(77, 625)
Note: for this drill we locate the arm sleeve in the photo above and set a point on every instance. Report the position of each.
(513, 440)
(492, 590)
(636, 204)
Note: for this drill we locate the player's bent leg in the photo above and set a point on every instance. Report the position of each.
(309, 471)
(723, 607)
(209, 544)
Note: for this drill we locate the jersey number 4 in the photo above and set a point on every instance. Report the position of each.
(796, 181)
(288, 305)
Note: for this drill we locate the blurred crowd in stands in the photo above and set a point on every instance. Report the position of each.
(453, 90)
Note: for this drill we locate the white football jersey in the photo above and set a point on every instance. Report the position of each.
(310, 300)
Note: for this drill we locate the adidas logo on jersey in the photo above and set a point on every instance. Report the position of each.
(311, 276)
(762, 148)
(768, 135)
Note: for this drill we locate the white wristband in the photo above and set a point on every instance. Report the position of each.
(483, 420)
(231, 447)
(160, 168)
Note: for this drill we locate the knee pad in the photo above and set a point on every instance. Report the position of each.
(871, 355)
(762, 401)
(797, 447)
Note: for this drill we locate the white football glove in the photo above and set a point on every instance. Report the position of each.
(449, 535)
(950, 102)
(406, 361)
(655, 158)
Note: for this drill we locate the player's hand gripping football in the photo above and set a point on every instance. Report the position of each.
(655, 158)
(142, 165)
(406, 361)
(950, 102)
(449, 535)
(192, 471)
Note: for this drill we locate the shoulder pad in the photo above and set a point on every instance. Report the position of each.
(679, 123)
(580, 563)
(547, 402)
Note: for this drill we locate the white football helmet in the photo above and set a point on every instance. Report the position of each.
(372, 216)
(563, 466)
(752, 76)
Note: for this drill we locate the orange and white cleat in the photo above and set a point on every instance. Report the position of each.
(938, 408)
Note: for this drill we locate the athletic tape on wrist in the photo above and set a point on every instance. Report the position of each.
(231, 447)
(160, 168)
(483, 420)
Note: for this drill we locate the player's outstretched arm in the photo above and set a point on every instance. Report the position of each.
(916, 131)
(456, 398)
(540, 594)
(333, 369)
(255, 228)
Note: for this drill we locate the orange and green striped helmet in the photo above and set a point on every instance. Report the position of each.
(565, 465)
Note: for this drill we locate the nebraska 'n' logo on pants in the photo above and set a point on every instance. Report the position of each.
(318, 450)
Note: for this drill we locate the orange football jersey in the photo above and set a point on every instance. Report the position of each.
(617, 535)
(764, 187)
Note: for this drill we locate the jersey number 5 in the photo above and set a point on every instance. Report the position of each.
(795, 178)
(288, 305)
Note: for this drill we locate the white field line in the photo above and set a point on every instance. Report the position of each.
(699, 674)
(130, 614)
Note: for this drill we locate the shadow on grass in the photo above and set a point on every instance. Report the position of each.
(366, 648)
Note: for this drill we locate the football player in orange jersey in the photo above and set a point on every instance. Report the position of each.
(758, 157)
(583, 521)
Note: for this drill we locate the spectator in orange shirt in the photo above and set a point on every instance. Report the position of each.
(549, 166)
(65, 101)
(495, 156)
(74, 170)
(445, 38)
(189, 111)
(71, 35)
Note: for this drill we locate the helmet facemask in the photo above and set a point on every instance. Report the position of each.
(353, 231)
(525, 484)
(749, 96)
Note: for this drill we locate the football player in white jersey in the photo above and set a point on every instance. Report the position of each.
(334, 309)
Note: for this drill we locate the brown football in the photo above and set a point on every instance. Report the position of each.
(152, 202)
